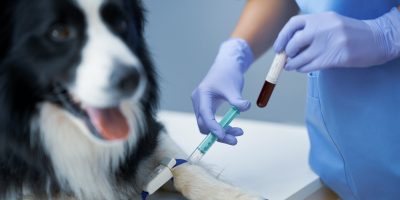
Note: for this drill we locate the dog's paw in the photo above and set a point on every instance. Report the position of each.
(196, 184)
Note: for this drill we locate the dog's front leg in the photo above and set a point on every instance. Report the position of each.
(195, 183)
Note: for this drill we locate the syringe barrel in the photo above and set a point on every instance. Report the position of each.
(196, 156)
(206, 144)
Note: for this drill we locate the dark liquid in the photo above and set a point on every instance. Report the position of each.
(265, 94)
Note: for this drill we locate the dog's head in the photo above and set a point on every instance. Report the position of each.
(87, 56)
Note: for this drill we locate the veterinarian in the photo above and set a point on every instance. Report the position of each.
(350, 50)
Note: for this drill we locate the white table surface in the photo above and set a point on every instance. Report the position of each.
(271, 159)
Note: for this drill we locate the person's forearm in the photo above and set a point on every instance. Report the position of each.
(261, 22)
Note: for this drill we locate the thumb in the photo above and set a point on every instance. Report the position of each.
(240, 103)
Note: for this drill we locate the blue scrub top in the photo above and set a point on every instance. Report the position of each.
(359, 9)
(353, 117)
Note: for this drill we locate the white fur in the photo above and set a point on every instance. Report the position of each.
(102, 51)
(166, 148)
(82, 165)
(196, 183)
(193, 181)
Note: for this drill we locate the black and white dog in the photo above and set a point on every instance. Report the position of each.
(78, 100)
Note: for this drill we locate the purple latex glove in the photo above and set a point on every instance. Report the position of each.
(224, 82)
(325, 40)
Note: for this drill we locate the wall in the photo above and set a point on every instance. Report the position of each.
(184, 37)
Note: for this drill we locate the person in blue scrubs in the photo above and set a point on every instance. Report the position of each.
(351, 52)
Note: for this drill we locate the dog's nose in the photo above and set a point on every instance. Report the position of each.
(125, 79)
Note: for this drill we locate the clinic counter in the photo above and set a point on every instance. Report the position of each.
(271, 159)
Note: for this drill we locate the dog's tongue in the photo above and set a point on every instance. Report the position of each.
(109, 122)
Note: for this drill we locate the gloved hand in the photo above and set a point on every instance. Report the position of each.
(318, 41)
(224, 82)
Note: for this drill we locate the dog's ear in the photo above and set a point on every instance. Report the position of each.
(6, 17)
(138, 11)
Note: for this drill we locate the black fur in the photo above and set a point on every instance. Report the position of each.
(30, 64)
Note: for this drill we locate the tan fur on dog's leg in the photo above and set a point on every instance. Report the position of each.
(196, 184)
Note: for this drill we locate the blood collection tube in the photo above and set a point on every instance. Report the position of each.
(271, 79)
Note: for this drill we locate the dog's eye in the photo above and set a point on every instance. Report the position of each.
(61, 33)
(120, 26)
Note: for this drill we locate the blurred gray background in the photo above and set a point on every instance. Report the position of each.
(184, 37)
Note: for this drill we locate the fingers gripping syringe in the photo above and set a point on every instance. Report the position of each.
(163, 173)
(204, 146)
(271, 79)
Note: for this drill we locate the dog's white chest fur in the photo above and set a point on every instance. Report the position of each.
(81, 164)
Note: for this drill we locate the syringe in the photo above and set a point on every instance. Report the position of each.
(163, 173)
(271, 79)
(206, 144)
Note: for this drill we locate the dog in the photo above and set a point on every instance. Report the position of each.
(78, 103)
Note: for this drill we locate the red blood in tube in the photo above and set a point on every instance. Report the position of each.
(265, 94)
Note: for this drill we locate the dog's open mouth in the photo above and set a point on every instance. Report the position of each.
(104, 123)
